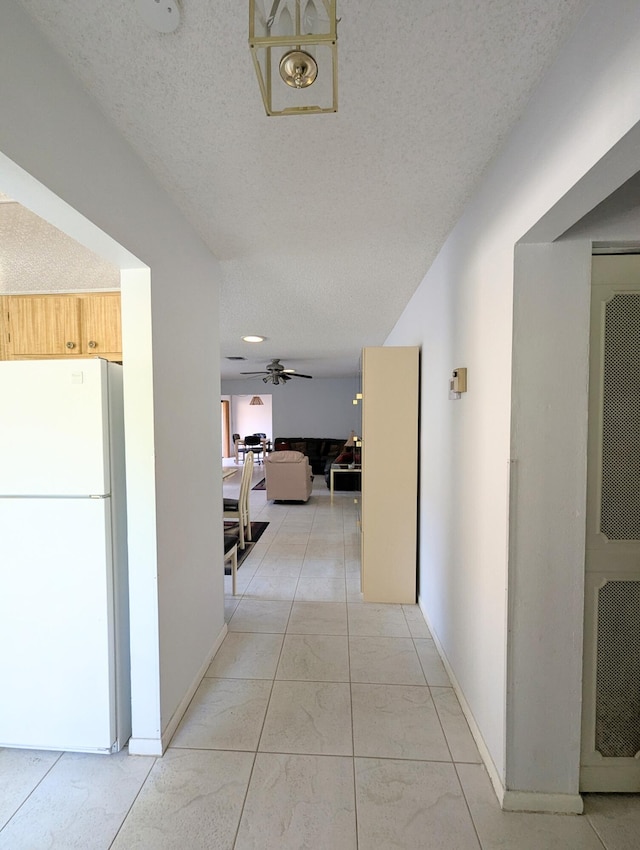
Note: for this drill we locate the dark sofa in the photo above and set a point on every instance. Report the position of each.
(318, 449)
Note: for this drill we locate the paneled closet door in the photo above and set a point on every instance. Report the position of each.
(610, 759)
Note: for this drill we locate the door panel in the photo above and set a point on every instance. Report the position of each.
(611, 686)
(53, 428)
(56, 624)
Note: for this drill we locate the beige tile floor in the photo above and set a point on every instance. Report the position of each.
(323, 722)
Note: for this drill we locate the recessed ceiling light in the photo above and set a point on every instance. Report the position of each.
(253, 338)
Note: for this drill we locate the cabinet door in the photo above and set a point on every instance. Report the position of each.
(101, 324)
(43, 325)
(4, 328)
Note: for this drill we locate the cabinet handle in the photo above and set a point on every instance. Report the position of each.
(92, 343)
(71, 345)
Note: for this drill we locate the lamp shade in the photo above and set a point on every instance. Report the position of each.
(295, 54)
(256, 400)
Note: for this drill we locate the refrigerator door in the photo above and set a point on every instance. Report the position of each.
(57, 634)
(54, 428)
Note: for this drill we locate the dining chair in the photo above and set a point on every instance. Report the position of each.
(266, 444)
(231, 556)
(238, 509)
(239, 446)
(253, 442)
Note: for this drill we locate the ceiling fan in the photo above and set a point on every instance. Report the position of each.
(275, 373)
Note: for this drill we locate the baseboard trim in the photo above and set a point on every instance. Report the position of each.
(532, 801)
(178, 714)
(145, 746)
(617, 779)
(510, 801)
(157, 746)
(494, 775)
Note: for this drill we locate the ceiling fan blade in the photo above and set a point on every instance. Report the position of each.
(276, 374)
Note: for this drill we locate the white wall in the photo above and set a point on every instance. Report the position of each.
(548, 513)
(571, 138)
(251, 419)
(615, 219)
(322, 407)
(56, 133)
(549, 444)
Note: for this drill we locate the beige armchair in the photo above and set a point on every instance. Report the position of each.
(288, 476)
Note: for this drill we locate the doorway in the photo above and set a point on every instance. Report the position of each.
(226, 428)
(248, 417)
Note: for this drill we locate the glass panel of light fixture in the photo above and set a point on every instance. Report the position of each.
(283, 23)
(289, 17)
(310, 22)
(259, 20)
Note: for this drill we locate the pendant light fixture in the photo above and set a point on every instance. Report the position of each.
(295, 53)
(256, 400)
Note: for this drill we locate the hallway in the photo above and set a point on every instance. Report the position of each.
(323, 722)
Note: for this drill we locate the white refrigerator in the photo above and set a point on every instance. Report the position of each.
(64, 625)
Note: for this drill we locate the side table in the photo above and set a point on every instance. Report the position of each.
(337, 468)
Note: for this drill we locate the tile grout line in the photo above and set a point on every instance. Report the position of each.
(353, 734)
(244, 799)
(37, 785)
(142, 785)
(468, 807)
(597, 832)
(259, 738)
(318, 755)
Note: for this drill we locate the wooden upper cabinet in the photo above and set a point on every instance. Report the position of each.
(43, 325)
(80, 325)
(100, 323)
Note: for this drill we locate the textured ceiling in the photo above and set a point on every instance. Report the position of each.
(326, 224)
(36, 256)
